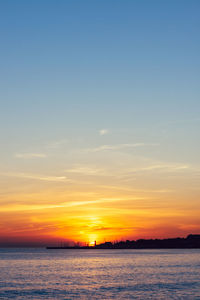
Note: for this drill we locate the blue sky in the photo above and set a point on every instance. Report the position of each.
(93, 85)
(96, 64)
(69, 67)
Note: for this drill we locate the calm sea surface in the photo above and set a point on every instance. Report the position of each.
(99, 274)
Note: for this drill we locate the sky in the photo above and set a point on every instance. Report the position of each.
(99, 120)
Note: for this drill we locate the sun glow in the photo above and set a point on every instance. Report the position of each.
(93, 238)
(92, 244)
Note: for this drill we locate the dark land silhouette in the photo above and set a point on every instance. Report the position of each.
(192, 241)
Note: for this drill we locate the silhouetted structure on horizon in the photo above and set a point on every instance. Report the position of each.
(192, 241)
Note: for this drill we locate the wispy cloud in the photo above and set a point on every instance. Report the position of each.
(103, 131)
(43, 154)
(57, 144)
(157, 169)
(86, 170)
(30, 155)
(164, 167)
(135, 190)
(37, 177)
(71, 204)
(119, 147)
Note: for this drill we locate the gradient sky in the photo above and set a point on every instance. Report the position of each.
(99, 120)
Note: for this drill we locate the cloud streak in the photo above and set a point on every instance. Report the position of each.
(71, 204)
(57, 144)
(37, 177)
(86, 170)
(163, 168)
(119, 147)
(30, 155)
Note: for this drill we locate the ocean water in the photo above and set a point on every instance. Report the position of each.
(99, 274)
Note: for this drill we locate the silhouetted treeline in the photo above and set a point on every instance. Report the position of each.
(191, 241)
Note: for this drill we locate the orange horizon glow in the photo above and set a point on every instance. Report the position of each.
(117, 216)
(92, 204)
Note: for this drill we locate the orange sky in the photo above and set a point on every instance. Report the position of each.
(96, 207)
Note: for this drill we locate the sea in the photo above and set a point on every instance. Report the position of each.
(99, 274)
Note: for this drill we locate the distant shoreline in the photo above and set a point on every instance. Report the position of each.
(192, 241)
